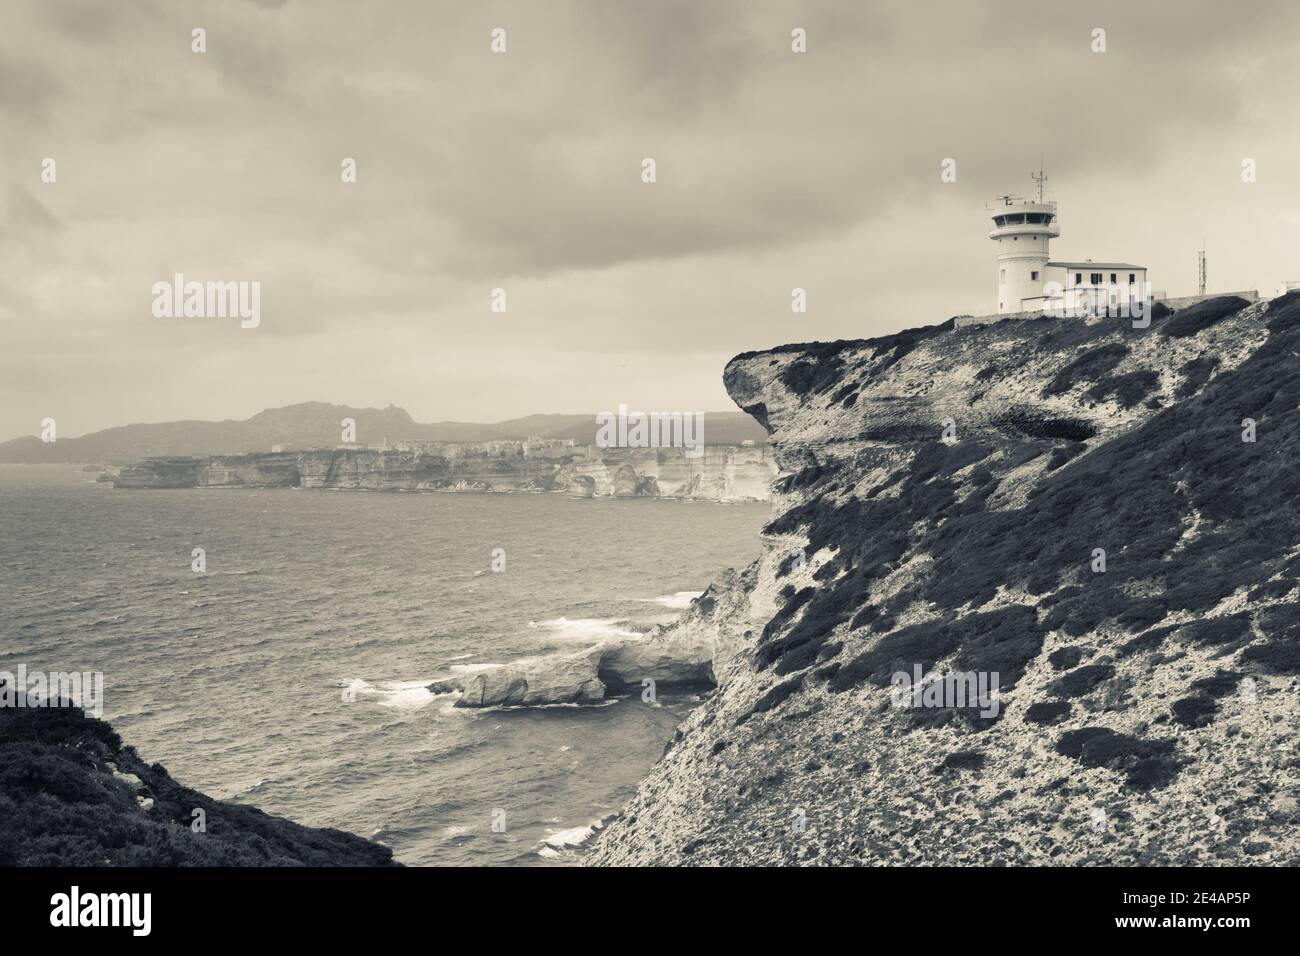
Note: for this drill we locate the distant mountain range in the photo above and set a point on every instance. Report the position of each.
(317, 424)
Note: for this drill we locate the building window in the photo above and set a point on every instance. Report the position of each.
(1112, 277)
(1132, 278)
(1078, 278)
(1096, 278)
(1033, 276)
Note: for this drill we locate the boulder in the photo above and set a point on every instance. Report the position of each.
(553, 679)
(679, 657)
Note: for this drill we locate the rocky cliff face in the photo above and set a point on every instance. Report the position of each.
(272, 470)
(721, 473)
(1093, 523)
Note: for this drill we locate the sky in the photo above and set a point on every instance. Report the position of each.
(522, 170)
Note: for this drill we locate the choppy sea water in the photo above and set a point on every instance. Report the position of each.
(235, 679)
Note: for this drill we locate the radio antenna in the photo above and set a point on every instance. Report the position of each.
(1040, 177)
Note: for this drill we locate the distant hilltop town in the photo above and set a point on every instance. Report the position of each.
(545, 448)
(553, 449)
(542, 449)
(316, 425)
(716, 473)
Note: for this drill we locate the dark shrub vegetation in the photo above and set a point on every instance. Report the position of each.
(61, 805)
(1201, 316)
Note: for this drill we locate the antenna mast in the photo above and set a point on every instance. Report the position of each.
(1040, 178)
(1201, 268)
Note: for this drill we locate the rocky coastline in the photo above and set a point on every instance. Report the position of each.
(720, 473)
(691, 653)
(1099, 517)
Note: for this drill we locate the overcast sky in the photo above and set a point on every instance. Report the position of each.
(522, 170)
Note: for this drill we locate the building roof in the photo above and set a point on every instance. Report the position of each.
(1097, 265)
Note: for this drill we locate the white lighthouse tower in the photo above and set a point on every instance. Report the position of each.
(1022, 231)
(1029, 282)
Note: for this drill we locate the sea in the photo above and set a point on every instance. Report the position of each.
(292, 673)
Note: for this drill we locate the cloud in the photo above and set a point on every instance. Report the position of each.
(522, 170)
(25, 216)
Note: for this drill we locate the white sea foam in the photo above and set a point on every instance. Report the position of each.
(398, 694)
(568, 839)
(245, 791)
(449, 708)
(584, 628)
(678, 602)
(572, 837)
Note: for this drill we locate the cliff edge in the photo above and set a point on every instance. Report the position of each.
(1028, 597)
(72, 795)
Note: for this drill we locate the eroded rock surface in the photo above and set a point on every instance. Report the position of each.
(1068, 505)
(531, 682)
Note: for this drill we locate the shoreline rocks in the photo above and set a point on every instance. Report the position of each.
(530, 682)
(693, 652)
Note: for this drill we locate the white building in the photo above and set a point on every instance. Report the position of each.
(1028, 281)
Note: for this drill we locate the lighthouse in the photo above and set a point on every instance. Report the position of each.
(1022, 231)
(1028, 281)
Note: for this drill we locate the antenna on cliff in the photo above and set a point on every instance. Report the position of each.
(1040, 177)
(1201, 268)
